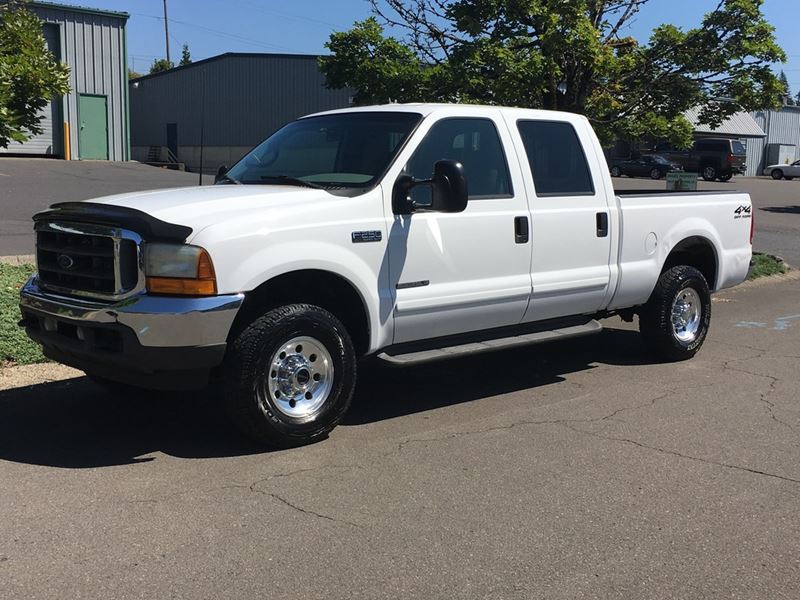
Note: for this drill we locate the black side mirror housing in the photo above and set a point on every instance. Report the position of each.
(448, 190)
(223, 169)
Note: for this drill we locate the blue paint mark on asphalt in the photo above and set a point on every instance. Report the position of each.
(783, 323)
(780, 324)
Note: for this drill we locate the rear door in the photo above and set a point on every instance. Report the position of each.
(570, 218)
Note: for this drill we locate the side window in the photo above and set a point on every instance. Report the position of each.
(702, 146)
(476, 145)
(556, 158)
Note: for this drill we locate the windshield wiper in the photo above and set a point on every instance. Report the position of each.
(286, 180)
(229, 178)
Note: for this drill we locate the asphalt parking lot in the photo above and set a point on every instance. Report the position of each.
(28, 185)
(580, 469)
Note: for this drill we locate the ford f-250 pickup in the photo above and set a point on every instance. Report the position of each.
(408, 232)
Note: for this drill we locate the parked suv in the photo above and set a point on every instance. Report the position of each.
(712, 158)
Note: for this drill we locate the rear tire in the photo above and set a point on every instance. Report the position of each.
(726, 177)
(289, 376)
(789, 178)
(676, 318)
(777, 174)
(616, 172)
(709, 173)
(655, 174)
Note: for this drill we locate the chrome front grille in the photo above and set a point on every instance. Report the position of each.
(82, 259)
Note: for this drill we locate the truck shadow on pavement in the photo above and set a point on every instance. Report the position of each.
(792, 210)
(75, 424)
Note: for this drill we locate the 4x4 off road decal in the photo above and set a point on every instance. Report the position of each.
(743, 212)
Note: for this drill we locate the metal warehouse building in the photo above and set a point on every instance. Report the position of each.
(233, 100)
(91, 122)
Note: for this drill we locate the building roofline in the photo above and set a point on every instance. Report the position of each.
(81, 9)
(223, 56)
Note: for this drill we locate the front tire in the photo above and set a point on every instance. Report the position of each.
(709, 173)
(616, 172)
(655, 174)
(676, 318)
(777, 174)
(289, 376)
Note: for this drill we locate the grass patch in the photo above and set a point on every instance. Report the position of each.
(15, 346)
(765, 265)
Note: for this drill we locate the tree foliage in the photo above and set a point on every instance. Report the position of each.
(186, 56)
(787, 89)
(30, 76)
(562, 55)
(161, 64)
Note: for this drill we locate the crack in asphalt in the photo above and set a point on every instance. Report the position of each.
(253, 488)
(571, 425)
(457, 434)
(685, 456)
(306, 511)
(763, 396)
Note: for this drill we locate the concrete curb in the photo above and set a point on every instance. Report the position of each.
(19, 259)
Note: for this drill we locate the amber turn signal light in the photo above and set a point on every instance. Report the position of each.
(204, 284)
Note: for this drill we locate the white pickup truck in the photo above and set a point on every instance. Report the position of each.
(408, 232)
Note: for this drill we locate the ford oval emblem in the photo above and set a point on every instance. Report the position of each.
(65, 262)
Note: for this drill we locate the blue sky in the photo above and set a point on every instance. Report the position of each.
(212, 27)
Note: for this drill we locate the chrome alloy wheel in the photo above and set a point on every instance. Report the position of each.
(686, 312)
(300, 377)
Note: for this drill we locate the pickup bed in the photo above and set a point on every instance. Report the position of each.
(408, 232)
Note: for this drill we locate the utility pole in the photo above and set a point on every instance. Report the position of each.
(166, 29)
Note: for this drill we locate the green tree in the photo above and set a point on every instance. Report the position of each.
(133, 74)
(787, 89)
(186, 57)
(30, 76)
(161, 64)
(566, 55)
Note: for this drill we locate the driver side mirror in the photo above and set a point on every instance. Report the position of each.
(448, 190)
(223, 169)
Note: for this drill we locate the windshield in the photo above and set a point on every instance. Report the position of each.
(340, 150)
(660, 160)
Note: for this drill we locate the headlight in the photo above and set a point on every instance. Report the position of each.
(179, 270)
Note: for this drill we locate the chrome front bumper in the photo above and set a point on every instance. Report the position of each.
(166, 322)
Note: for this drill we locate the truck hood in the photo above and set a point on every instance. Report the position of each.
(200, 206)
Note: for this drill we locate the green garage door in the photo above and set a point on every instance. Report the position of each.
(93, 115)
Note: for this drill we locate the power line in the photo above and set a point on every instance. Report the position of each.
(285, 15)
(223, 34)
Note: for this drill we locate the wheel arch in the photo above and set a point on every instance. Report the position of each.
(698, 252)
(326, 289)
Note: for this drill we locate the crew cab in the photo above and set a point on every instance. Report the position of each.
(410, 233)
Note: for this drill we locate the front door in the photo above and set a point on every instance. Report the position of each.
(93, 115)
(467, 271)
(571, 219)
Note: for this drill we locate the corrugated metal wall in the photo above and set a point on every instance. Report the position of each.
(782, 127)
(93, 45)
(50, 141)
(247, 97)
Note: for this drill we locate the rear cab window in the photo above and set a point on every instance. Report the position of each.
(556, 158)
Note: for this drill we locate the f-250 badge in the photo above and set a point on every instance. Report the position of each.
(743, 212)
